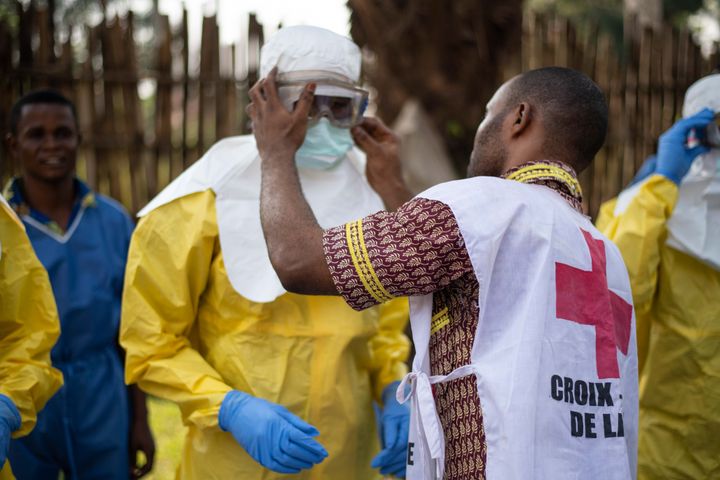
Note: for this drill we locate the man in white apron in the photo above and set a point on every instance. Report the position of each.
(522, 316)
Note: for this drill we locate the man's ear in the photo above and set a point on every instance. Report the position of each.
(522, 117)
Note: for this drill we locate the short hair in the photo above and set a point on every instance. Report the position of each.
(46, 95)
(573, 109)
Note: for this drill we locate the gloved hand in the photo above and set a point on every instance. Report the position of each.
(674, 157)
(9, 422)
(270, 434)
(395, 428)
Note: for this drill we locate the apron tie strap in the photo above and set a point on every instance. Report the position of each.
(420, 386)
(429, 421)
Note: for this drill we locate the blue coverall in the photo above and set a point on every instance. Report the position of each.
(84, 428)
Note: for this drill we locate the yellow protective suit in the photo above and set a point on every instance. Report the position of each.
(677, 304)
(29, 326)
(190, 338)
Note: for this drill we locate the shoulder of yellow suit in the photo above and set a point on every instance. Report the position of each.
(8, 212)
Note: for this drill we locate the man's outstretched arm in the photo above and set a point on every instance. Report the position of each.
(360, 260)
(294, 238)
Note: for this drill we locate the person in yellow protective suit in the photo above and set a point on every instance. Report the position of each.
(29, 327)
(268, 382)
(667, 226)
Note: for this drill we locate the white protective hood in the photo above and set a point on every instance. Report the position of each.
(300, 48)
(231, 169)
(694, 227)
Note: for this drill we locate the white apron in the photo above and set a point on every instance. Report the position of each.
(559, 395)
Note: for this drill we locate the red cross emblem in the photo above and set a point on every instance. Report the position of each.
(583, 297)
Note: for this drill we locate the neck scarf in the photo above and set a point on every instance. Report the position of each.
(555, 175)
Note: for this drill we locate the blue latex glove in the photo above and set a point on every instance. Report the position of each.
(270, 434)
(9, 422)
(674, 158)
(395, 428)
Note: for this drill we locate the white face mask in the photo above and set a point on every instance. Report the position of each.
(694, 227)
(324, 147)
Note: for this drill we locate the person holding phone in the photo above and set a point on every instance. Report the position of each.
(667, 227)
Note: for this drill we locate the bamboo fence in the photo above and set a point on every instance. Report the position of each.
(133, 144)
(644, 81)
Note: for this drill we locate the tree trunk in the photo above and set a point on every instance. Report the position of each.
(448, 55)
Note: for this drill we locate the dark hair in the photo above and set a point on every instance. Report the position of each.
(35, 97)
(573, 110)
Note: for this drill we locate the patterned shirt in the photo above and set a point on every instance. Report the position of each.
(420, 250)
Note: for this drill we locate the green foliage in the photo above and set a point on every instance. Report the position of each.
(76, 12)
(608, 14)
(7, 14)
(455, 129)
(680, 9)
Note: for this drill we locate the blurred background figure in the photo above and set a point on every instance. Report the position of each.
(92, 427)
(268, 381)
(29, 328)
(667, 226)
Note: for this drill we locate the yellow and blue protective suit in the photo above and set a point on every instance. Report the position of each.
(29, 327)
(84, 428)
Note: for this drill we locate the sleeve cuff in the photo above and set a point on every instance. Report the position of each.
(350, 267)
(664, 190)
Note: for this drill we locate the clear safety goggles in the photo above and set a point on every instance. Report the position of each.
(336, 96)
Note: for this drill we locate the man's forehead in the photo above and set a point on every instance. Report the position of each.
(46, 107)
(41, 111)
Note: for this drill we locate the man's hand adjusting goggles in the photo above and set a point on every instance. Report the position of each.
(336, 97)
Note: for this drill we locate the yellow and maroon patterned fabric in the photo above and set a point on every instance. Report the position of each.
(413, 252)
(554, 175)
